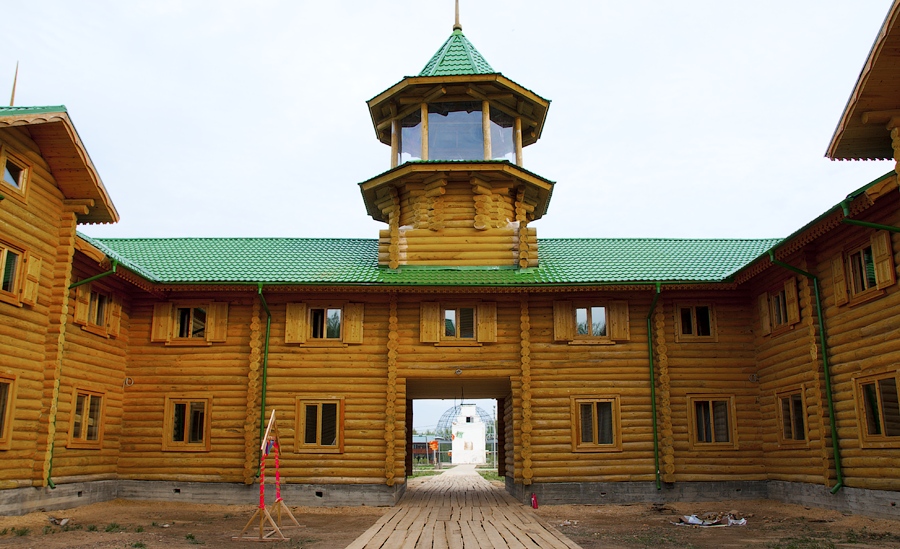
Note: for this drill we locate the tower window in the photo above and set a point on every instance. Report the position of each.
(455, 131)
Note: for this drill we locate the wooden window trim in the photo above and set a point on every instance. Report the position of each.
(882, 263)
(617, 322)
(301, 447)
(168, 442)
(865, 439)
(19, 193)
(12, 297)
(85, 314)
(298, 324)
(713, 330)
(779, 413)
(9, 411)
(592, 447)
(431, 323)
(165, 323)
(694, 442)
(767, 303)
(458, 339)
(79, 440)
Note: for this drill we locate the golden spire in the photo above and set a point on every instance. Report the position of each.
(12, 98)
(456, 25)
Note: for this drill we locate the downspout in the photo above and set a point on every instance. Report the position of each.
(653, 382)
(845, 206)
(114, 265)
(823, 346)
(265, 371)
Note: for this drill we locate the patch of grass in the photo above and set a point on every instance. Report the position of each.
(24, 531)
(802, 543)
(48, 530)
(489, 474)
(139, 529)
(424, 473)
(92, 528)
(114, 527)
(863, 536)
(139, 545)
(192, 540)
(4, 531)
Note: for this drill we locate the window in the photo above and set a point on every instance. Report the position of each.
(879, 410)
(590, 323)
(189, 323)
(87, 413)
(187, 422)
(695, 323)
(7, 401)
(15, 171)
(712, 421)
(792, 416)
(596, 424)
(779, 308)
(319, 425)
(452, 324)
(97, 310)
(864, 270)
(19, 275)
(459, 323)
(324, 324)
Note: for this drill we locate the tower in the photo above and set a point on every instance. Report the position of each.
(456, 194)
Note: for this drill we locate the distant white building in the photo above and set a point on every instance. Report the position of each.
(468, 435)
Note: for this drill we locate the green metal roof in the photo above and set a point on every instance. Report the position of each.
(13, 110)
(457, 56)
(355, 261)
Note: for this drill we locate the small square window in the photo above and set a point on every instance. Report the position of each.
(319, 425)
(590, 322)
(15, 171)
(792, 415)
(695, 323)
(459, 323)
(87, 417)
(712, 421)
(879, 410)
(596, 424)
(187, 424)
(862, 270)
(7, 401)
(325, 323)
(191, 322)
(10, 266)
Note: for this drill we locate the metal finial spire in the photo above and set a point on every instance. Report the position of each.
(12, 98)
(456, 25)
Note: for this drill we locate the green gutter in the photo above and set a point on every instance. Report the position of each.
(265, 372)
(114, 264)
(653, 382)
(835, 442)
(845, 206)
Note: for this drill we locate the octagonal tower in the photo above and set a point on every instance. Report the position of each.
(456, 194)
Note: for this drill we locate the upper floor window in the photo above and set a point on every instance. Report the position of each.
(458, 324)
(590, 322)
(19, 275)
(878, 405)
(15, 171)
(7, 399)
(455, 131)
(323, 323)
(695, 323)
(97, 310)
(189, 323)
(779, 308)
(864, 270)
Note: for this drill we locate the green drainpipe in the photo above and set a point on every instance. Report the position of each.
(265, 372)
(845, 206)
(114, 265)
(653, 382)
(835, 442)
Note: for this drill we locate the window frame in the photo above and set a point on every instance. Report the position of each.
(789, 397)
(457, 311)
(9, 156)
(299, 328)
(169, 444)
(166, 323)
(300, 444)
(565, 321)
(866, 439)
(78, 437)
(779, 308)
(87, 310)
(13, 296)
(694, 439)
(432, 323)
(578, 445)
(7, 413)
(846, 287)
(680, 337)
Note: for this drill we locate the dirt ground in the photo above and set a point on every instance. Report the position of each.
(129, 524)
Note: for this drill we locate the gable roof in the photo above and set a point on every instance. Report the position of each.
(457, 56)
(348, 261)
(62, 149)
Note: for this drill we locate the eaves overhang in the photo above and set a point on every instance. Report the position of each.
(61, 147)
(461, 169)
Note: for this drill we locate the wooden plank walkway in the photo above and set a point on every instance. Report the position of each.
(460, 510)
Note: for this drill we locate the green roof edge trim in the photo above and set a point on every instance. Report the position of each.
(9, 110)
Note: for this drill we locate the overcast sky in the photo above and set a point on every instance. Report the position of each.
(696, 119)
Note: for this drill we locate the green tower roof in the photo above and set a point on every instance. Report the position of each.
(457, 56)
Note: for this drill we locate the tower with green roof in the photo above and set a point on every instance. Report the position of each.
(456, 193)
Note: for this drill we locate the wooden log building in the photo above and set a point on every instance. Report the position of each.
(623, 369)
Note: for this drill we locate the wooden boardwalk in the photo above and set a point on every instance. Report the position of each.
(460, 510)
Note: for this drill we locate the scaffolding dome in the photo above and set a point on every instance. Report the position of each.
(447, 418)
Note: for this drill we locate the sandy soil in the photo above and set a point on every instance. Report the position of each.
(129, 524)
